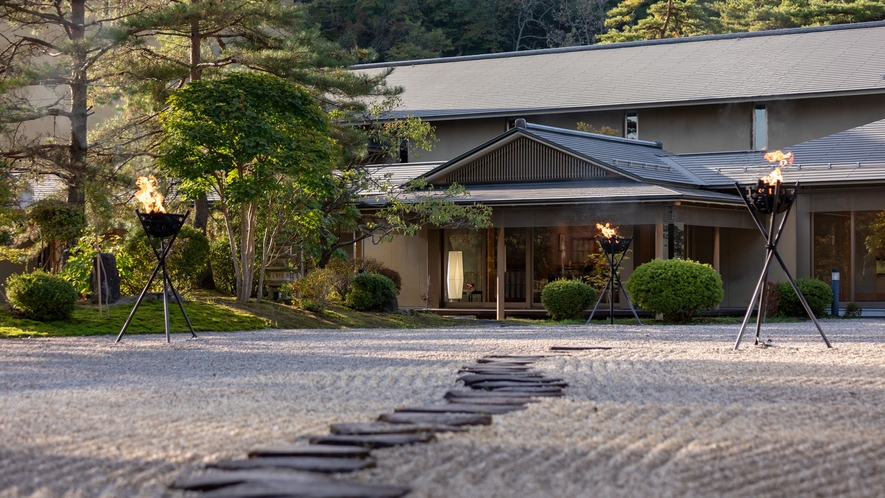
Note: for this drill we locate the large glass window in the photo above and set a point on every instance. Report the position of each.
(760, 127)
(473, 282)
(631, 128)
(853, 243)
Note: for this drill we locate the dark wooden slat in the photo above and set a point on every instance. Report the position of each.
(337, 489)
(461, 408)
(308, 464)
(479, 394)
(519, 386)
(386, 428)
(373, 440)
(457, 419)
(312, 450)
(471, 379)
(579, 348)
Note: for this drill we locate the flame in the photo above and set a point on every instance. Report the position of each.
(607, 230)
(782, 160)
(151, 200)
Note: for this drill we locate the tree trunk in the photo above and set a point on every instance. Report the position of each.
(201, 204)
(79, 110)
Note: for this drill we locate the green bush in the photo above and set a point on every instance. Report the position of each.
(369, 292)
(565, 299)
(222, 267)
(186, 260)
(853, 310)
(41, 296)
(394, 277)
(677, 288)
(817, 293)
(346, 269)
(313, 290)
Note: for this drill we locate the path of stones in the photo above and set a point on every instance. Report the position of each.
(499, 384)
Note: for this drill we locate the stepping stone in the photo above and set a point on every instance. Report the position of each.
(461, 408)
(337, 489)
(216, 480)
(498, 384)
(470, 379)
(496, 371)
(523, 389)
(457, 419)
(309, 464)
(499, 357)
(490, 401)
(374, 440)
(517, 395)
(508, 363)
(309, 450)
(579, 348)
(382, 428)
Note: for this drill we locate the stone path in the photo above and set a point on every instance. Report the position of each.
(299, 470)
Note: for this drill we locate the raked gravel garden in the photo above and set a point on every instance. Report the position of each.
(666, 411)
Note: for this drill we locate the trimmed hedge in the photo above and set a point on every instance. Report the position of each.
(41, 296)
(677, 288)
(566, 299)
(394, 277)
(369, 292)
(817, 293)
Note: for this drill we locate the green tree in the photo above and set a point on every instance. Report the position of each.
(238, 135)
(634, 20)
(757, 15)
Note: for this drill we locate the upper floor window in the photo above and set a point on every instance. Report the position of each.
(760, 127)
(631, 126)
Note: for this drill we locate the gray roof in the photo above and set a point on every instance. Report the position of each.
(842, 59)
(852, 156)
(606, 191)
(400, 173)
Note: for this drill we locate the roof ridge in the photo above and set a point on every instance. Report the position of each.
(610, 46)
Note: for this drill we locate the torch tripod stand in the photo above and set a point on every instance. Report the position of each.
(779, 201)
(159, 227)
(615, 248)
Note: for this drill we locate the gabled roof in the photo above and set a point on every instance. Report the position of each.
(852, 156)
(636, 160)
(765, 65)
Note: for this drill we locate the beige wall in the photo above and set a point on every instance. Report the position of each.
(408, 256)
(457, 137)
(795, 121)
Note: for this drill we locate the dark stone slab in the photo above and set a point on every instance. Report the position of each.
(579, 348)
(458, 419)
(478, 394)
(336, 489)
(308, 464)
(461, 408)
(490, 401)
(522, 388)
(385, 428)
(498, 384)
(505, 357)
(309, 450)
(214, 480)
(374, 440)
(500, 371)
(510, 363)
(110, 279)
(471, 379)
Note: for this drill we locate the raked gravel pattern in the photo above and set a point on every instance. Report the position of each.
(669, 411)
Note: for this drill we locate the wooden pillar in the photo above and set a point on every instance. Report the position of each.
(659, 241)
(716, 253)
(502, 265)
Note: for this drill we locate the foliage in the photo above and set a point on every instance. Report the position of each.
(81, 261)
(853, 310)
(772, 299)
(41, 296)
(314, 290)
(11, 216)
(345, 269)
(818, 295)
(677, 288)
(186, 259)
(222, 267)
(566, 299)
(237, 136)
(604, 130)
(369, 292)
(394, 277)
(57, 220)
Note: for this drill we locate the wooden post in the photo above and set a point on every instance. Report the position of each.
(502, 264)
(716, 253)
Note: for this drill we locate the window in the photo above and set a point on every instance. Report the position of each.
(631, 128)
(760, 128)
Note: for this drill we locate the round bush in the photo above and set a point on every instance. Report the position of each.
(186, 260)
(369, 292)
(565, 299)
(677, 288)
(41, 296)
(394, 277)
(817, 293)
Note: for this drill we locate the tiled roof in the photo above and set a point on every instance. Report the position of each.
(817, 61)
(852, 156)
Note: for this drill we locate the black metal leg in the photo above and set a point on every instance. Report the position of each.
(181, 306)
(601, 295)
(138, 302)
(166, 303)
(629, 302)
(753, 299)
(802, 300)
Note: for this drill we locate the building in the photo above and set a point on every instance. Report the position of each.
(682, 107)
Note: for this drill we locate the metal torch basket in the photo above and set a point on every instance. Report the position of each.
(161, 225)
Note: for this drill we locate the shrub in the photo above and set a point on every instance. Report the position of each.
(222, 267)
(185, 262)
(345, 269)
(565, 299)
(313, 290)
(369, 292)
(817, 293)
(57, 220)
(41, 296)
(853, 310)
(393, 275)
(677, 288)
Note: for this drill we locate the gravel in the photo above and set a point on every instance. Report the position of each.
(668, 411)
